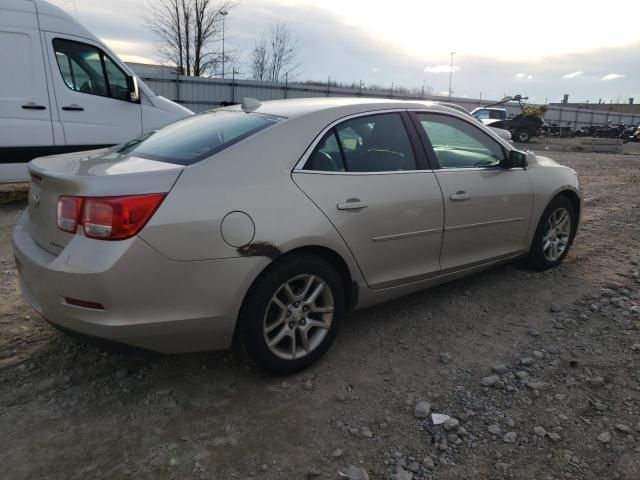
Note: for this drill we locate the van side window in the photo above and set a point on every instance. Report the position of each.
(86, 69)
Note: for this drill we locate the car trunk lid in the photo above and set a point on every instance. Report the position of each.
(88, 174)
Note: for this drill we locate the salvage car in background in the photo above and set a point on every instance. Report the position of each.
(264, 224)
(487, 115)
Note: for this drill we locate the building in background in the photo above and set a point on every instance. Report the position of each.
(633, 108)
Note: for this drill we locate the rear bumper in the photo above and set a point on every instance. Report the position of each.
(149, 301)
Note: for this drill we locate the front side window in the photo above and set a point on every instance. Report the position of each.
(458, 144)
(117, 80)
(195, 138)
(374, 143)
(86, 69)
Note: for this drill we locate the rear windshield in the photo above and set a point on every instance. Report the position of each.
(195, 138)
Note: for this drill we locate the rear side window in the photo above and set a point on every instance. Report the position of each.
(195, 138)
(87, 69)
(373, 143)
(327, 156)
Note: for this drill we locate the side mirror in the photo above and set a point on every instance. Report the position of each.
(134, 92)
(516, 159)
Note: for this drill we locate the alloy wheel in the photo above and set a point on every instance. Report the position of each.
(557, 234)
(298, 317)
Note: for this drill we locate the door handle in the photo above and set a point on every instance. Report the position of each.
(33, 106)
(460, 196)
(352, 204)
(73, 108)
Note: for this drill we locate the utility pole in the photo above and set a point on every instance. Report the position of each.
(451, 74)
(233, 84)
(286, 84)
(224, 13)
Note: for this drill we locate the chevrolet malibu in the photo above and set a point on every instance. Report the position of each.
(262, 225)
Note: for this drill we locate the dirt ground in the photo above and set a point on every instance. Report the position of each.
(540, 372)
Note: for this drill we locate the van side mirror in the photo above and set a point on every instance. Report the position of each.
(134, 91)
(516, 159)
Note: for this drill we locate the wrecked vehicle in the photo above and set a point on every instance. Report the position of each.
(261, 225)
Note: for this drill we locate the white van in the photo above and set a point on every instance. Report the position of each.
(62, 90)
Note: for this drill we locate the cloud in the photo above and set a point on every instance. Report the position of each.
(335, 43)
(441, 69)
(613, 76)
(577, 74)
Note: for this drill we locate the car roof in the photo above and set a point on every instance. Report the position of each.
(292, 108)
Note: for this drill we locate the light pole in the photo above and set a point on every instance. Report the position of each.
(286, 84)
(451, 74)
(224, 13)
(234, 71)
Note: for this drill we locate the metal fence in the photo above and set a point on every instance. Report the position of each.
(199, 94)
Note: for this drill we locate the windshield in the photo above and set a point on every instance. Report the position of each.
(195, 138)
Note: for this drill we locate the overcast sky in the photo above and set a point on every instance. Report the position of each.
(542, 49)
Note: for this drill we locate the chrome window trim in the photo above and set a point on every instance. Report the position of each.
(299, 167)
(392, 172)
(476, 169)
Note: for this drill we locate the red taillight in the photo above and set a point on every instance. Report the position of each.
(69, 213)
(108, 218)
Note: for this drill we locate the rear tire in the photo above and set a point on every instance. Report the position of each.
(554, 235)
(292, 314)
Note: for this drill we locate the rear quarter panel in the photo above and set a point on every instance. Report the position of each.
(254, 177)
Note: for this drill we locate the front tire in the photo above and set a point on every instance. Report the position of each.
(554, 235)
(292, 313)
(523, 136)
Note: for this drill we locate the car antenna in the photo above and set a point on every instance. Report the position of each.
(250, 104)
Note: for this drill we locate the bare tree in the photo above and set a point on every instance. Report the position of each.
(276, 56)
(188, 31)
(283, 51)
(260, 60)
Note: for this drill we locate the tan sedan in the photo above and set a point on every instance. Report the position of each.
(261, 225)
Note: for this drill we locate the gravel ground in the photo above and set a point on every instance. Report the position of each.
(538, 373)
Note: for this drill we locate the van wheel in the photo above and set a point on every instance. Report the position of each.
(554, 235)
(292, 314)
